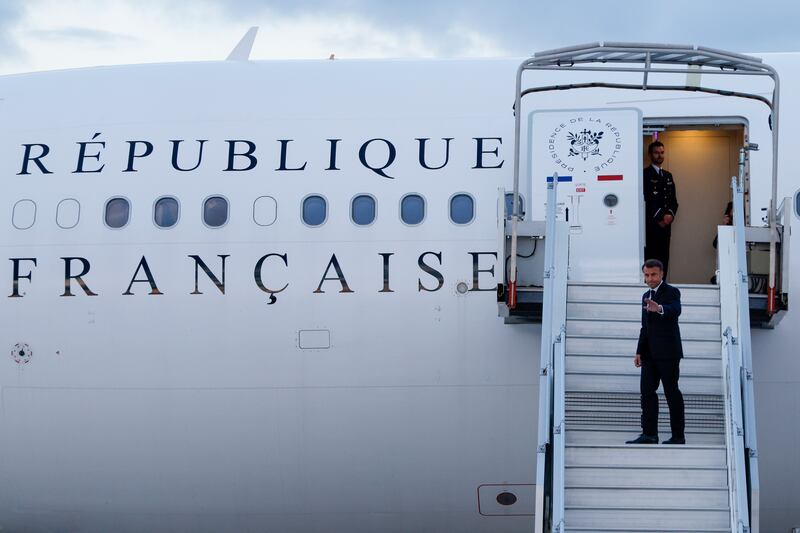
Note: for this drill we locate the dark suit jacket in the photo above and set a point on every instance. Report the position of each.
(660, 336)
(659, 195)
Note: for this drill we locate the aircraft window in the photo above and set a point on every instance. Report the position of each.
(412, 209)
(118, 213)
(362, 210)
(315, 210)
(68, 213)
(165, 212)
(510, 204)
(215, 211)
(265, 210)
(462, 208)
(24, 214)
(797, 204)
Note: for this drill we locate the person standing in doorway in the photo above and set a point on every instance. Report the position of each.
(659, 355)
(661, 205)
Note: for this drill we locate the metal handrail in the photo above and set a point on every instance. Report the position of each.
(745, 370)
(737, 473)
(552, 375)
(738, 399)
(559, 430)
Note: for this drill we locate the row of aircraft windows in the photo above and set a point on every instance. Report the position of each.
(216, 209)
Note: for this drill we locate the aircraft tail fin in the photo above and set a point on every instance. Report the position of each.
(242, 50)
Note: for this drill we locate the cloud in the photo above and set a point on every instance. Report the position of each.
(86, 35)
(47, 34)
(10, 13)
(520, 27)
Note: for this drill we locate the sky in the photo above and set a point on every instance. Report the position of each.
(52, 34)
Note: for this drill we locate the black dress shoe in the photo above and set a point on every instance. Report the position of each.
(643, 439)
(675, 440)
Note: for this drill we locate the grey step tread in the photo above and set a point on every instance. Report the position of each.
(622, 411)
(596, 301)
(639, 468)
(674, 518)
(608, 402)
(577, 309)
(624, 365)
(626, 446)
(635, 320)
(689, 294)
(647, 489)
(618, 435)
(632, 428)
(635, 372)
(603, 382)
(631, 337)
(706, 286)
(694, 423)
(637, 456)
(615, 529)
(630, 329)
(674, 497)
(653, 508)
(624, 398)
(627, 476)
(627, 346)
(716, 358)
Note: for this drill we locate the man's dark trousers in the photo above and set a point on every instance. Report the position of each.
(661, 350)
(667, 371)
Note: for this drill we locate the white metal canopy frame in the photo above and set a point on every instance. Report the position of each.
(646, 58)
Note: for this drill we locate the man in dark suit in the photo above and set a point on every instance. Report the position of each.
(659, 354)
(661, 204)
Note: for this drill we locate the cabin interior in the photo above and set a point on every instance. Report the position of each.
(702, 159)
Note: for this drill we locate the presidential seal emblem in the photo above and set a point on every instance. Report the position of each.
(21, 353)
(584, 143)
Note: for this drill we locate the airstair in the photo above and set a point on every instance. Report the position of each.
(588, 479)
(581, 280)
(610, 486)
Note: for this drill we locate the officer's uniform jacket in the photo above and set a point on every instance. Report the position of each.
(659, 195)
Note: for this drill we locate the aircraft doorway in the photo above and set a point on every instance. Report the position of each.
(702, 160)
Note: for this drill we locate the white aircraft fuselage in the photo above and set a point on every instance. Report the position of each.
(271, 375)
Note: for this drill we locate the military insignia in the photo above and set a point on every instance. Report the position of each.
(584, 143)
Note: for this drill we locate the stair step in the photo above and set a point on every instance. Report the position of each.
(618, 435)
(631, 423)
(690, 294)
(577, 344)
(624, 365)
(630, 328)
(643, 530)
(638, 476)
(633, 310)
(600, 518)
(615, 411)
(647, 497)
(651, 455)
(602, 382)
(615, 400)
(624, 412)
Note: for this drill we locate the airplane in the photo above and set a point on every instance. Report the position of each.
(273, 295)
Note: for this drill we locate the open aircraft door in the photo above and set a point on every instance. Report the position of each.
(597, 156)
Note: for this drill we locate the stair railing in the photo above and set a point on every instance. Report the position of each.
(551, 445)
(736, 361)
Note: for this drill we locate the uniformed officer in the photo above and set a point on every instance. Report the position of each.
(661, 204)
